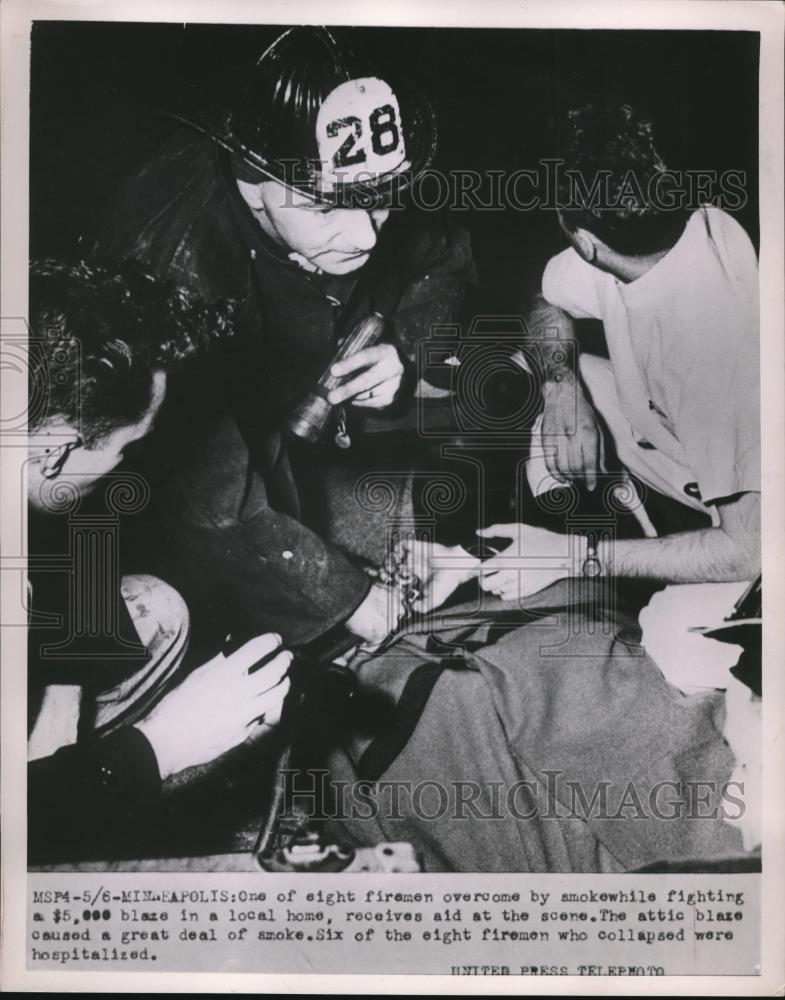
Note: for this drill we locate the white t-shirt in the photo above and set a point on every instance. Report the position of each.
(683, 341)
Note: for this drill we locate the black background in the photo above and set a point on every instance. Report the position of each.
(501, 97)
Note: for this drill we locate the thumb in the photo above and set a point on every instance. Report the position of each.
(498, 531)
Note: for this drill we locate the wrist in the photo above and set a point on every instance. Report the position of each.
(557, 383)
(377, 615)
(578, 552)
(590, 556)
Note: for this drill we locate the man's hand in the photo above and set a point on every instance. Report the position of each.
(378, 614)
(218, 706)
(441, 569)
(536, 559)
(379, 372)
(570, 424)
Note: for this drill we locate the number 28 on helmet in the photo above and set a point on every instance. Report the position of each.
(317, 118)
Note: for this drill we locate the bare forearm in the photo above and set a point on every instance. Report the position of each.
(551, 333)
(705, 556)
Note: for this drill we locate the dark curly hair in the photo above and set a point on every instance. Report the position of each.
(98, 331)
(609, 181)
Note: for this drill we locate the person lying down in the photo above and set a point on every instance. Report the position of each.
(540, 735)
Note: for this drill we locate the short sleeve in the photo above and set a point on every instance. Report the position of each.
(718, 415)
(571, 284)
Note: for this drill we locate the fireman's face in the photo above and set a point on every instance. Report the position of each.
(335, 240)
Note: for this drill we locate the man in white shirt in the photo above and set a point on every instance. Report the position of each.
(675, 406)
(678, 399)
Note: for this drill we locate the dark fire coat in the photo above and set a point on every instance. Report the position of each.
(227, 521)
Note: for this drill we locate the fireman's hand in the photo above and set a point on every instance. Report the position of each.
(372, 377)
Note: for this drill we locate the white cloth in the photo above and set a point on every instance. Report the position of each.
(541, 481)
(655, 468)
(689, 660)
(683, 341)
(57, 720)
(160, 617)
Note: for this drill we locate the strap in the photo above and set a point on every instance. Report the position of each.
(385, 748)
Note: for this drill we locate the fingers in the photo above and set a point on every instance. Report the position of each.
(554, 465)
(253, 651)
(581, 457)
(272, 673)
(267, 707)
(377, 366)
(364, 382)
(496, 573)
(379, 396)
(511, 585)
(362, 359)
(377, 380)
(556, 453)
(571, 459)
(503, 583)
(593, 456)
(589, 463)
(491, 578)
(499, 531)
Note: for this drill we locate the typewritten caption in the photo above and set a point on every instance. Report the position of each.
(446, 925)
